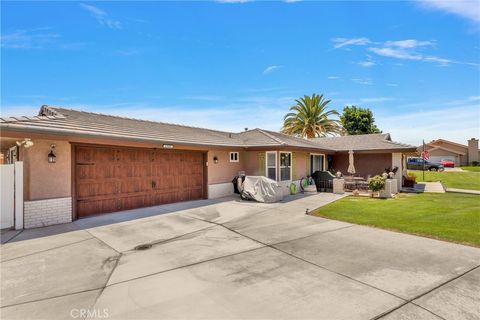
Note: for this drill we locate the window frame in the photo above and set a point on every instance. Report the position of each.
(323, 162)
(280, 165)
(237, 157)
(267, 166)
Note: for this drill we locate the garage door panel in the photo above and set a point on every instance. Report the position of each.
(111, 179)
(90, 207)
(92, 188)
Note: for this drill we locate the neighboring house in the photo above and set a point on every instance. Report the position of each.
(441, 149)
(105, 163)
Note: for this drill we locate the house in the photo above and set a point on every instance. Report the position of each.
(78, 164)
(441, 149)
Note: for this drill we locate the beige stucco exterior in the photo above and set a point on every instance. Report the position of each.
(224, 170)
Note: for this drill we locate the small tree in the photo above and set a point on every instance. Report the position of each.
(356, 120)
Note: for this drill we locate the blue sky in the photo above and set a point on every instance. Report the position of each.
(235, 64)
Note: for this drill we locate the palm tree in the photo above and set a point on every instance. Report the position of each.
(309, 118)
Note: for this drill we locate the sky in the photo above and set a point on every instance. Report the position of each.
(229, 65)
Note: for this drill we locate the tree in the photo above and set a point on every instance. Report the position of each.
(356, 120)
(310, 118)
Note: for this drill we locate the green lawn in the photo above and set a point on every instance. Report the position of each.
(449, 216)
(472, 168)
(460, 180)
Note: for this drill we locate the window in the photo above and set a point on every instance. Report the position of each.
(233, 156)
(316, 162)
(271, 160)
(285, 166)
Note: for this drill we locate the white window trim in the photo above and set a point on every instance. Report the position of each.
(276, 164)
(238, 156)
(324, 159)
(280, 166)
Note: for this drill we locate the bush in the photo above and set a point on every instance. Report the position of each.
(475, 163)
(376, 183)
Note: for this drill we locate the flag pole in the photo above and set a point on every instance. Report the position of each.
(423, 157)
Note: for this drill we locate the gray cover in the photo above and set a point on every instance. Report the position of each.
(261, 189)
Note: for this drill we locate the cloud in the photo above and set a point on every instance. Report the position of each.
(395, 53)
(29, 39)
(368, 63)
(271, 69)
(363, 81)
(410, 43)
(463, 8)
(333, 77)
(101, 16)
(345, 42)
(407, 49)
(392, 84)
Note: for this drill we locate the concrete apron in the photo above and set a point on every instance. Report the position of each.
(234, 259)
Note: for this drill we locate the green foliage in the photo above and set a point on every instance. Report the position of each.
(376, 183)
(461, 180)
(310, 118)
(356, 120)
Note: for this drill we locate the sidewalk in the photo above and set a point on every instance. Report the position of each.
(463, 191)
(430, 187)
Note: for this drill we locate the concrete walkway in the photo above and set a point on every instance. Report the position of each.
(233, 259)
(463, 191)
(430, 187)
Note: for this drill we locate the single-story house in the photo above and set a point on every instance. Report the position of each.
(83, 163)
(442, 149)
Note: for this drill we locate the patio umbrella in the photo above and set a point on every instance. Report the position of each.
(351, 167)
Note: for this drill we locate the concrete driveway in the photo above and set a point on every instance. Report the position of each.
(231, 259)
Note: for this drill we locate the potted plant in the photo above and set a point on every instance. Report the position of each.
(376, 184)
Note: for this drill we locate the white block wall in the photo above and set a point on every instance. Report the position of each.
(220, 190)
(40, 213)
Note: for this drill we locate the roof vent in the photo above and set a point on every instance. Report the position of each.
(246, 129)
(229, 135)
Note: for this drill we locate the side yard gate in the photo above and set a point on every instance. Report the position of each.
(11, 195)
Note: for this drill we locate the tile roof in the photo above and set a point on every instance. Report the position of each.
(362, 142)
(73, 122)
(57, 120)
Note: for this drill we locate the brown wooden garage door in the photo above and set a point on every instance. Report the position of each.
(110, 179)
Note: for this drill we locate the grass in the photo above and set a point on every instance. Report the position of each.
(460, 180)
(471, 168)
(447, 216)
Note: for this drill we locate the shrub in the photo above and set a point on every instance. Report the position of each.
(376, 183)
(475, 163)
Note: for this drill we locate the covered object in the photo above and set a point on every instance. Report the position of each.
(261, 189)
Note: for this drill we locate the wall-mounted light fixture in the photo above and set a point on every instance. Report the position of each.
(215, 159)
(27, 143)
(52, 158)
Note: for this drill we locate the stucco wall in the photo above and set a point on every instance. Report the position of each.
(224, 170)
(365, 164)
(300, 169)
(43, 180)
